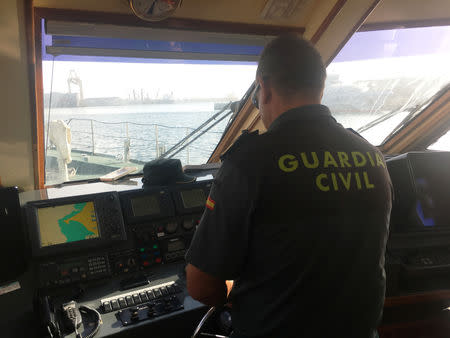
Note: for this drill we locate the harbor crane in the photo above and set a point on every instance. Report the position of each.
(74, 79)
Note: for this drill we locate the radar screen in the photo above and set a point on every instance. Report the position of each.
(193, 198)
(145, 205)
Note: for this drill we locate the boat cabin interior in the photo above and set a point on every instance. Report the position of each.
(94, 90)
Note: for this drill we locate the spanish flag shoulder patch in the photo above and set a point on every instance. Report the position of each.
(210, 204)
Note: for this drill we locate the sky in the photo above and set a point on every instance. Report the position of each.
(108, 79)
(187, 81)
(428, 66)
(416, 52)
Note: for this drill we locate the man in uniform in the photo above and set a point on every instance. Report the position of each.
(298, 216)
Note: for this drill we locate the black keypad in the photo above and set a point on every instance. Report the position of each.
(136, 299)
(176, 287)
(143, 296)
(157, 293)
(122, 302)
(129, 300)
(150, 295)
(107, 307)
(115, 304)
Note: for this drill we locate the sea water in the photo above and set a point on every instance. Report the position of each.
(152, 129)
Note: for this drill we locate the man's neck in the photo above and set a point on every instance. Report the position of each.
(280, 106)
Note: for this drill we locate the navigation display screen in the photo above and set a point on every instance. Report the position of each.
(432, 185)
(193, 198)
(145, 205)
(67, 223)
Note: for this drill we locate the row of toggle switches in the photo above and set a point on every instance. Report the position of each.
(141, 296)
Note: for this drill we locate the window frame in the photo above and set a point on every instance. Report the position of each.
(35, 56)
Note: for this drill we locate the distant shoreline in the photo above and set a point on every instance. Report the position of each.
(71, 100)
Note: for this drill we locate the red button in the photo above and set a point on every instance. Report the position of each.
(158, 260)
(145, 263)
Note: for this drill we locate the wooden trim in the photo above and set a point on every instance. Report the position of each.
(435, 326)
(28, 7)
(233, 132)
(353, 30)
(417, 298)
(38, 110)
(403, 24)
(325, 23)
(255, 121)
(170, 23)
(38, 163)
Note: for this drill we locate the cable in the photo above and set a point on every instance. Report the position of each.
(84, 310)
(78, 335)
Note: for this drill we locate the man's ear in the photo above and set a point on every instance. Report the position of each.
(321, 93)
(266, 92)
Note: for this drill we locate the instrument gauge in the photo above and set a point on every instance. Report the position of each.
(171, 227)
(154, 10)
(188, 224)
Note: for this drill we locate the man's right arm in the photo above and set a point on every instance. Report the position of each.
(219, 246)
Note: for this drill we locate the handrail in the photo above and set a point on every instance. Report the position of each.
(88, 139)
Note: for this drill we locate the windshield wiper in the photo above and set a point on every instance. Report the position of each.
(201, 130)
(419, 108)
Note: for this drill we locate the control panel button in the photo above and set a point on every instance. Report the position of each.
(150, 295)
(115, 304)
(107, 307)
(160, 231)
(157, 293)
(176, 287)
(122, 302)
(143, 296)
(188, 224)
(170, 289)
(129, 300)
(171, 227)
(137, 299)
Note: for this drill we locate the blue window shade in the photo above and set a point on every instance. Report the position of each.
(91, 45)
(151, 45)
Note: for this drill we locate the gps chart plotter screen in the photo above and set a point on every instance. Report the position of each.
(67, 223)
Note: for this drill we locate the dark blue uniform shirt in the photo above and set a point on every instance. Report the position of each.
(298, 217)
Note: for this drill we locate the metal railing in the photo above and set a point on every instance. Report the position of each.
(141, 142)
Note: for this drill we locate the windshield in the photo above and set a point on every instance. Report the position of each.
(107, 115)
(380, 79)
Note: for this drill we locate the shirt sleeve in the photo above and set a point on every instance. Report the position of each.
(220, 242)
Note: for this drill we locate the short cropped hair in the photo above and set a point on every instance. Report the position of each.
(292, 65)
